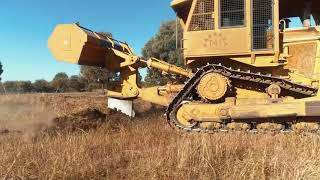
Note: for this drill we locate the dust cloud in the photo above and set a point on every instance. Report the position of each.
(23, 115)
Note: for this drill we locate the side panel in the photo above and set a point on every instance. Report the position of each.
(317, 69)
(205, 37)
(217, 42)
(303, 58)
(302, 47)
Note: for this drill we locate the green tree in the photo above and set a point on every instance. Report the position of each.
(18, 86)
(10, 86)
(42, 86)
(60, 82)
(26, 86)
(1, 70)
(75, 84)
(163, 47)
(94, 77)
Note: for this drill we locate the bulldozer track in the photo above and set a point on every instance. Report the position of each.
(235, 76)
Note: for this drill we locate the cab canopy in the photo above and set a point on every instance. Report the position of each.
(182, 8)
(287, 8)
(300, 8)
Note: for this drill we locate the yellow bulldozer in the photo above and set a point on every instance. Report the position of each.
(251, 67)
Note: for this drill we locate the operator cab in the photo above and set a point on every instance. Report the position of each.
(243, 30)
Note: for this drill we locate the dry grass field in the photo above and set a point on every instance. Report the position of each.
(76, 137)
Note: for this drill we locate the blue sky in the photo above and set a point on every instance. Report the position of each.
(25, 26)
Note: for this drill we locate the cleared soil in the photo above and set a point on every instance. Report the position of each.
(74, 136)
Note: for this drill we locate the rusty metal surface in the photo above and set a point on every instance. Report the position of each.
(312, 108)
(302, 58)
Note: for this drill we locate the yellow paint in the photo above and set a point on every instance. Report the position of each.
(230, 46)
(317, 67)
(169, 68)
(213, 86)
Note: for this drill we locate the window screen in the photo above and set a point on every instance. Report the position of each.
(262, 25)
(232, 13)
(203, 16)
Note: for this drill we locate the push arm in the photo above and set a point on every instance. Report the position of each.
(72, 43)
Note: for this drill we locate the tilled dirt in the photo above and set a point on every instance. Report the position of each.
(81, 122)
(86, 120)
(71, 114)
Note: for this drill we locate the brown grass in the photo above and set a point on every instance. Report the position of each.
(146, 148)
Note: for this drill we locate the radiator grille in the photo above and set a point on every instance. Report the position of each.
(262, 26)
(232, 13)
(203, 16)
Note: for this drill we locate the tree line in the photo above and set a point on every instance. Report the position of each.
(89, 79)
(162, 46)
(165, 45)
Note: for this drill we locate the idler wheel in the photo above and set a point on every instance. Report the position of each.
(184, 118)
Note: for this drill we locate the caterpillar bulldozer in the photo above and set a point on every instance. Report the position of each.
(253, 65)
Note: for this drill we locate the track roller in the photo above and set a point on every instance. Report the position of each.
(270, 127)
(211, 126)
(306, 127)
(239, 126)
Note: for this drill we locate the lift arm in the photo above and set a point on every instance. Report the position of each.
(75, 44)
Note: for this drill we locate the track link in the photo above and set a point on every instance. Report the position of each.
(297, 89)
